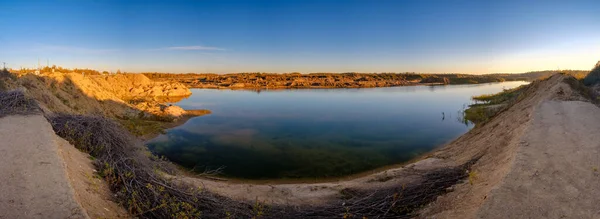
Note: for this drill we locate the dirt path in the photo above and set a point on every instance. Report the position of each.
(33, 177)
(539, 159)
(43, 176)
(556, 170)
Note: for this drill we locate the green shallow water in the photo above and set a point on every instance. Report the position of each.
(316, 133)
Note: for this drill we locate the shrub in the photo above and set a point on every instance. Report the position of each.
(593, 77)
(5, 77)
(501, 97)
(478, 114)
(4, 73)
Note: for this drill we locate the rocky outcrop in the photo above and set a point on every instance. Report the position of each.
(174, 111)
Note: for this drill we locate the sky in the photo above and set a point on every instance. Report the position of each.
(429, 36)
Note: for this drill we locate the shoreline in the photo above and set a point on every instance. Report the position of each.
(476, 151)
(266, 81)
(307, 181)
(217, 87)
(260, 89)
(184, 171)
(189, 114)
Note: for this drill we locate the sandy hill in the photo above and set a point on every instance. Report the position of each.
(122, 95)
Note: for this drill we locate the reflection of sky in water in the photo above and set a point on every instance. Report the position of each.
(318, 132)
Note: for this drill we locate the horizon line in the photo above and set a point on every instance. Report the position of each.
(296, 72)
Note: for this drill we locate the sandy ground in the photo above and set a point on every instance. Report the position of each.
(43, 176)
(34, 181)
(555, 174)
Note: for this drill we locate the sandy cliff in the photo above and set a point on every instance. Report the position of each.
(123, 95)
(138, 86)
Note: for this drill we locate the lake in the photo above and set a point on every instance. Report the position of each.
(316, 133)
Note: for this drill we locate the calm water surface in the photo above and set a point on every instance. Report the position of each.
(316, 133)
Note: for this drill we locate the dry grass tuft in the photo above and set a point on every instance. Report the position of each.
(472, 177)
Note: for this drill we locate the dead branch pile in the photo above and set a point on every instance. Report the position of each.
(138, 184)
(402, 201)
(16, 103)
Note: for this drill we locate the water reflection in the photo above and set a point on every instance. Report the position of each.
(318, 132)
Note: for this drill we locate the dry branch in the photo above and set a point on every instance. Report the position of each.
(401, 201)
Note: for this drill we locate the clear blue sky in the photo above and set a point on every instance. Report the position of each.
(305, 36)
